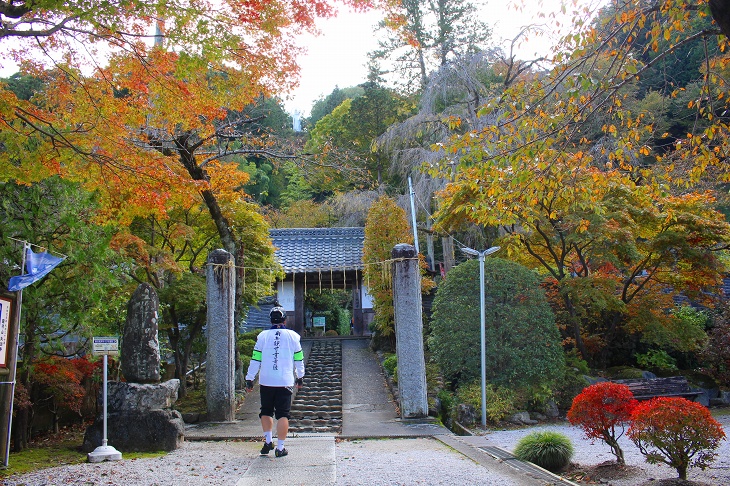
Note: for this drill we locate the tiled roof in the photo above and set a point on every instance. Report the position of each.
(302, 250)
(258, 317)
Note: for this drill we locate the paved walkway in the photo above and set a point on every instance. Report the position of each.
(368, 412)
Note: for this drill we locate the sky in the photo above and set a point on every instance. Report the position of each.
(338, 57)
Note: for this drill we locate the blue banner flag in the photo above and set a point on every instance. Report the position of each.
(38, 265)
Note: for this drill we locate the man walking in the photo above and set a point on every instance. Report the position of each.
(277, 356)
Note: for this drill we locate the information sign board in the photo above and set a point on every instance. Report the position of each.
(108, 345)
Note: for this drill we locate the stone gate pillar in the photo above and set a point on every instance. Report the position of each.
(409, 332)
(220, 368)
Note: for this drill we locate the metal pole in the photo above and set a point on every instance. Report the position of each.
(483, 338)
(413, 216)
(104, 452)
(104, 437)
(483, 319)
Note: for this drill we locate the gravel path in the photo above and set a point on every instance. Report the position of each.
(372, 462)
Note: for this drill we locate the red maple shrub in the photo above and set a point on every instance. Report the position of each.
(603, 410)
(676, 432)
(59, 383)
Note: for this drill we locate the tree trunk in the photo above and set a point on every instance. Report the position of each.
(173, 335)
(615, 449)
(22, 419)
(228, 239)
(720, 11)
(682, 471)
(20, 429)
(576, 327)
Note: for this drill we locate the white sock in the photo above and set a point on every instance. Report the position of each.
(279, 444)
(267, 436)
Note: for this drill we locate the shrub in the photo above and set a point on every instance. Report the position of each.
(344, 321)
(447, 403)
(250, 335)
(573, 382)
(389, 363)
(602, 411)
(523, 343)
(245, 347)
(549, 450)
(656, 359)
(500, 400)
(676, 432)
(59, 386)
(331, 332)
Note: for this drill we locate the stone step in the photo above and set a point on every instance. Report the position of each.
(317, 407)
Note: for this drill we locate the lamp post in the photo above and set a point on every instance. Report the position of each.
(481, 255)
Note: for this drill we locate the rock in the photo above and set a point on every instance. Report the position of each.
(434, 409)
(133, 431)
(140, 359)
(538, 416)
(191, 417)
(465, 414)
(123, 396)
(592, 380)
(648, 375)
(705, 395)
(521, 418)
(551, 410)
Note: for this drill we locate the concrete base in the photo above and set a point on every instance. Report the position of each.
(104, 453)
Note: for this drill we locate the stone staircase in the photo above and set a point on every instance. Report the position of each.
(317, 407)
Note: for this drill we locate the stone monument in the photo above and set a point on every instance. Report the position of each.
(407, 309)
(140, 414)
(221, 366)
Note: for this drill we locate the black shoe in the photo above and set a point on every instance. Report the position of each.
(266, 448)
(281, 453)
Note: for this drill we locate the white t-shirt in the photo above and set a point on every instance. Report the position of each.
(277, 356)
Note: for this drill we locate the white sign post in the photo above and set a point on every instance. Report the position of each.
(105, 346)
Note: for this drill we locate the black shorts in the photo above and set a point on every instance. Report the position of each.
(275, 399)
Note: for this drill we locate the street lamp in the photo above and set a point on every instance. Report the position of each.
(481, 255)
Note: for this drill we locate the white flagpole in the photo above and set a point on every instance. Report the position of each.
(13, 373)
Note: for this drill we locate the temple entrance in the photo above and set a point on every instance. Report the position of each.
(323, 268)
(328, 313)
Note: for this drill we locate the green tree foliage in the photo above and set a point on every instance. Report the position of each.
(683, 335)
(332, 305)
(522, 342)
(324, 106)
(386, 226)
(715, 357)
(343, 140)
(619, 251)
(81, 297)
(182, 301)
